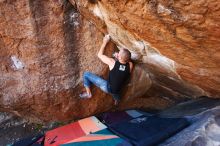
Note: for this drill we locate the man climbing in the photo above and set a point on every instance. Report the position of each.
(120, 70)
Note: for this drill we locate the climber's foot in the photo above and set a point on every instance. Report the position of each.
(85, 95)
(116, 102)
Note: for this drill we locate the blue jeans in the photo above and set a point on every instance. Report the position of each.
(90, 79)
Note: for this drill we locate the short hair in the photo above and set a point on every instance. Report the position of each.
(126, 55)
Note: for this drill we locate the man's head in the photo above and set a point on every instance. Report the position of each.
(124, 55)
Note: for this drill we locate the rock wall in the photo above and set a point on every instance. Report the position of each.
(177, 36)
(44, 50)
(46, 45)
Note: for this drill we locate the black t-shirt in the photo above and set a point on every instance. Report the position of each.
(118, 77)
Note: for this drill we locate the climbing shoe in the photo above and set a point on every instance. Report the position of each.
(85, 95)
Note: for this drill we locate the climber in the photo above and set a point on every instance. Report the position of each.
(120, 69)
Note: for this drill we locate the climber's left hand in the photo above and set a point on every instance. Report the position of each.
(106, 38)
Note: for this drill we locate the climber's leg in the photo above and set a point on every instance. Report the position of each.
(90, 78)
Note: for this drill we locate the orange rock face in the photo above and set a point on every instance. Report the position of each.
(45, 46)
(181, 37)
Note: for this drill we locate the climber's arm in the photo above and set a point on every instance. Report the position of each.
(105, 59)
